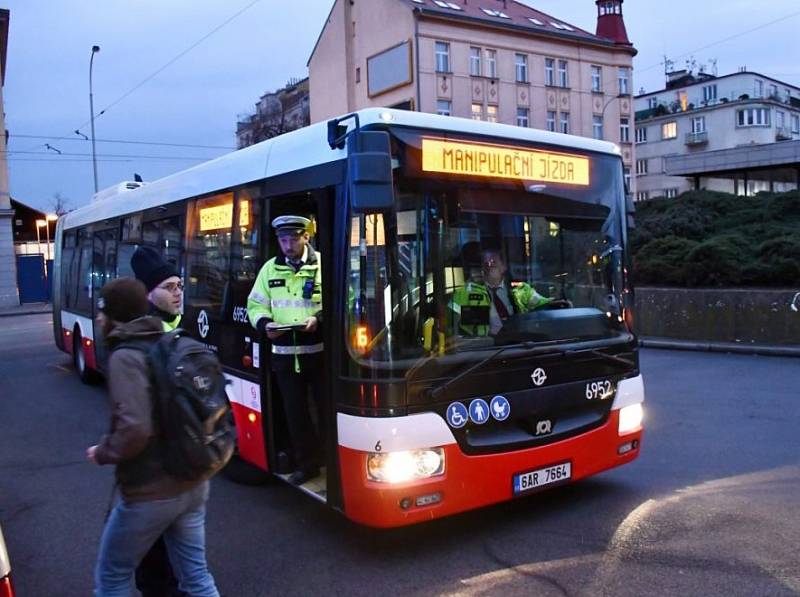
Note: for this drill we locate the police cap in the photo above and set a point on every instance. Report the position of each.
(294, 225)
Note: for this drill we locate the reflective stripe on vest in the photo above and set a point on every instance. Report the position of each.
(298, 349)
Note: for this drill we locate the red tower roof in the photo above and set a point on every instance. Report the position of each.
(610, 23)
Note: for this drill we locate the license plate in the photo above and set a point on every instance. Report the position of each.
(541, 477)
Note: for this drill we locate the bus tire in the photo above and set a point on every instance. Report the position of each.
(86, 375)
(243, 473)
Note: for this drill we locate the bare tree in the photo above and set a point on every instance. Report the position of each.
(60, 204)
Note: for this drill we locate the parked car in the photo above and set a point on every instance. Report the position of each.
(6, 586)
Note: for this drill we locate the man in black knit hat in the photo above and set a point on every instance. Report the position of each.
(164, 285)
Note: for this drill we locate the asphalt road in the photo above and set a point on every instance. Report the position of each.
(711, 507)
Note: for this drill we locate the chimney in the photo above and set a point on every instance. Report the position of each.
(610, 23)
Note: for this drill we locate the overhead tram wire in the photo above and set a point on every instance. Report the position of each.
(160, 143)
(112, 155)
(716, 43)
(166, 65)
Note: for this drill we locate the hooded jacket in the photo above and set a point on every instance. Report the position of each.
(132, 443)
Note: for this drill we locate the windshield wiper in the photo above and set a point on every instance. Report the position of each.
(436, 392)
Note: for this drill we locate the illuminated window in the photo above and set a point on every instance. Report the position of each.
(477, 111)
(669, 130)
(491, 113)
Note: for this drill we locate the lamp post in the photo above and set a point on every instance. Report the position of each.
(95, 50)
(39, 224)
(49, 218)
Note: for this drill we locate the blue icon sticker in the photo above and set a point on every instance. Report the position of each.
(500, 408)
(479, 411)
(457, 415)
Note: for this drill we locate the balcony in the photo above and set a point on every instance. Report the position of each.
(783, 133)
(697, 138)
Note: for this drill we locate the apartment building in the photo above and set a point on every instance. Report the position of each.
(493, 60)
(738, 133)
(276, 113)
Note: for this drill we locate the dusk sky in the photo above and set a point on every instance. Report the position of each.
(180, 72)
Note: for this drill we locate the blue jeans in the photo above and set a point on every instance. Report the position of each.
(132, 529)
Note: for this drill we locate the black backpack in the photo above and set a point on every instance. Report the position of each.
(193, 413)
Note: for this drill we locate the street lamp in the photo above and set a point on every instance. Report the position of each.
(50, 218)
(39, 224)
(95, 50)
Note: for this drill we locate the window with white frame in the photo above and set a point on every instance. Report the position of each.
(442, 57)
(641, 134)
(597, 79)
(699, 124)
(780, 119)
(752, 117)
(521, 67)
(642, 195)
(597, 127)
(522, 117)
(444, 107)
(491, 113)
(670, 193)
(623, 78)
(563, 125)
(626, 177)
(551, 121)
(641, 167)
(773, 91)
(669, 130)
(475, 61)
(710, 93)
(652, 103)
(624, 130)
(759, 88)
(491, 64)
(563, 74)
(549, 71)
(477, 111)
(796, 123)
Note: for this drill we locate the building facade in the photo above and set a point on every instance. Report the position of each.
(494, 60)
(8, 266)
(276, 113)
(693, 133)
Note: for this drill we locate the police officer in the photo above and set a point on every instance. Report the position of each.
(494, 295)
(164, 285)
(286, 305)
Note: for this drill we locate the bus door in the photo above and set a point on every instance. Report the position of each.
(222, 261)
(317, 206)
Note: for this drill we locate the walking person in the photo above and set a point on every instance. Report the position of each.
(286, 305)
(154, 575)
(152, 503)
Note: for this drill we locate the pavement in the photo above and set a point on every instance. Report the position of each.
(792, 350)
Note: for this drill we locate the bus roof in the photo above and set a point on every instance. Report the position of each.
(297, 150)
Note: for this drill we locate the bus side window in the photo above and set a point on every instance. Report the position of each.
(83, 298)
(208, 251)
(245, 249)
(67, 259)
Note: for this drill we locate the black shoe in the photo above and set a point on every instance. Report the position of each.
(302, 475)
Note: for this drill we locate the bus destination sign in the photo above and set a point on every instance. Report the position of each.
(496, 161)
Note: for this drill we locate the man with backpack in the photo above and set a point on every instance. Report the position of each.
(156, 498)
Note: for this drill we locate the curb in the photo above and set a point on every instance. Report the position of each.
(25, 312)
(732, 347)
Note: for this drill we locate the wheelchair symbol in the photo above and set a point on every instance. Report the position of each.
(457, 415)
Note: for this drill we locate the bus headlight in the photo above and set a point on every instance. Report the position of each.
(630, 418)
(399, 467)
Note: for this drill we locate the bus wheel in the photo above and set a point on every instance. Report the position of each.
(85, 374)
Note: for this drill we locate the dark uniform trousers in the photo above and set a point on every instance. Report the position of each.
(307, 442)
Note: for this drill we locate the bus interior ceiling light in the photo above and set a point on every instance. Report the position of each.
(630, 418)
(400, 467)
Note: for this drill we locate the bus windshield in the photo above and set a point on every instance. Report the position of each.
(465, 264)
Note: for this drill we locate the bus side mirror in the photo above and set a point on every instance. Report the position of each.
(369, 171)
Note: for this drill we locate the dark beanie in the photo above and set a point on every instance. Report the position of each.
(123, 300)
(150, 268)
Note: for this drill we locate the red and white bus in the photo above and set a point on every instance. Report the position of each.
(427, 415)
